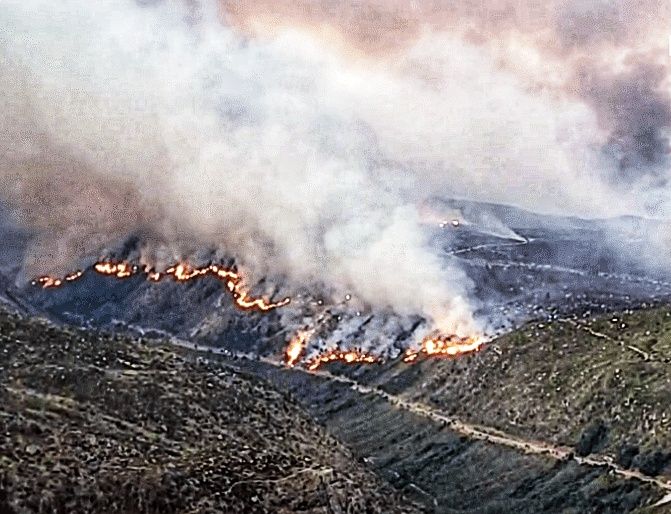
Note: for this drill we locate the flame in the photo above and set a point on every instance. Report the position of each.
(74, 276)
(183, 272)
(345, 356)
(153, 276)
(435, 345)
(439, 345)
(180, 272)
(295, 348)
(47, 281)
(119, 269)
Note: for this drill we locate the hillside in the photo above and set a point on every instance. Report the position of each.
(571, 413)
(595, 384)
(91, 422)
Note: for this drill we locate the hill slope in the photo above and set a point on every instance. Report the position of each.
(571, 413)
(93, 422)
(598, 385)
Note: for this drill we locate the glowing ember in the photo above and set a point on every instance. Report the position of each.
(73, 276)
(180, 272)
(152, 275)
(344, 356)
(115, 269)
(183, 272)
(448, 346)
(47, 281)
(295, 348)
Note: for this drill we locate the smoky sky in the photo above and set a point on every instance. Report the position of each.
(301, 137)
(610, 55)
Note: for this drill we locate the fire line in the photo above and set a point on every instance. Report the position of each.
(180, 272)
(437, 345)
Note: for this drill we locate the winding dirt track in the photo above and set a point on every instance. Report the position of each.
(494, 436)
(476, 432)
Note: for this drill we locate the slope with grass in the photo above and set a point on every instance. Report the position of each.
(599, 385)
(91, 422)
(572, 413)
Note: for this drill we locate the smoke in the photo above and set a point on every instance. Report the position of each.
(300, 137)
(639, 112)
(612, 57)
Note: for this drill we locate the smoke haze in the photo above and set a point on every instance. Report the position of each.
(301, 137)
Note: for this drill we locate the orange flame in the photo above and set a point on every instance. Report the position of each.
(345, 356)
(180, 272)
(448, 346)
(435, 345)
(153, 276)
(74, 276)
(184, 272)
(119, 269)
(47, 281)
(295, 348)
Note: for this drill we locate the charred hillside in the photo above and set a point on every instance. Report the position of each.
(541, 267)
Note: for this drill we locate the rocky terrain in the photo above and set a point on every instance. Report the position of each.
(92, 422)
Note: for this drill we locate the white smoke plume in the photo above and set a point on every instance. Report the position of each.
(304, 148)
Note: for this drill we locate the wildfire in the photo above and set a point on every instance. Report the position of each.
(345, 356)
(183, 272)
(295, 348)
(448, 346)
(152, 275)
(180, 272)
(73, 276)
(46, 281)
(115, 269)
(434, 345)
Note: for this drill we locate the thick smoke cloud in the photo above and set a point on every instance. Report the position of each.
(611, 55)
(638, 111)
(301, 136)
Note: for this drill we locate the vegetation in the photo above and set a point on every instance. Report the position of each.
(91, 422)
(599, 385)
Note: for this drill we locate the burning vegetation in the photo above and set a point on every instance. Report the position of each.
(115, 269)
(345, 356)
(180, 272)
(296, 347)
(434, 345)
(437, 345)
